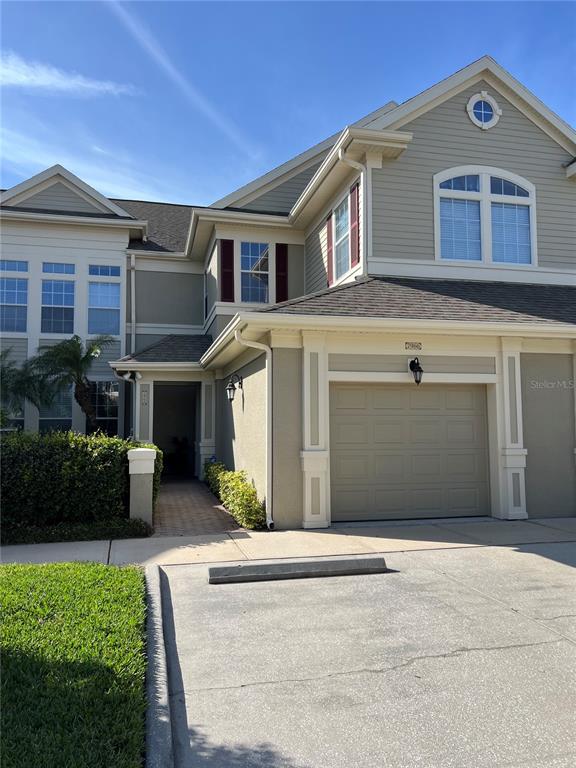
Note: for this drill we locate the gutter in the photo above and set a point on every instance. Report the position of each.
(265, 348)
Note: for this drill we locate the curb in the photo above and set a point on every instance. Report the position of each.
(297, 569)
(159, 751)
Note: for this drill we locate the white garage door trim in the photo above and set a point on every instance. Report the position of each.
(429, 475)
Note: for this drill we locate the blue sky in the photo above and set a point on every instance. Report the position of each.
(185, 101)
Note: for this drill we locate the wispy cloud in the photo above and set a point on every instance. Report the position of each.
(25, 154)
(15, 72)
(193, 95)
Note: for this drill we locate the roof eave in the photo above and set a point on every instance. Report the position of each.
(134, 225)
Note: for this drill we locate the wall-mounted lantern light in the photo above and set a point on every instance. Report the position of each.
(416, 370)
(231, 386)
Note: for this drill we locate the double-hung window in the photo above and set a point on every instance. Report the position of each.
(484, 215)
(13, 297)
(254, 272)
(342, 238)
(104, 398)
(104, 308)
(58, 415)
(57, 314)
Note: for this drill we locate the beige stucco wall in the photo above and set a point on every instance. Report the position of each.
(548, 412)
(241, 425)
(287, 437)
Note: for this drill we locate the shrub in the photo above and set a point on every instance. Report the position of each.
(65, 477)
(240, 499)
(212, 472)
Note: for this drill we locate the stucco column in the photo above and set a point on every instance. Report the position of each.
(144, 394)
(207, 444)
(574, 390)
(512, 485)
(315, 455)
(141, 471)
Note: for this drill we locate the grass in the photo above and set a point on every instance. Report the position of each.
(73, 666)
(115, 528)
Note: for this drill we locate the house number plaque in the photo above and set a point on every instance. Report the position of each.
(413, 346)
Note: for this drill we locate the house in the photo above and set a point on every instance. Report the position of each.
(285, 328)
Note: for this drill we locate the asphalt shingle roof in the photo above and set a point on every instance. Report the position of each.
(466, 300)
(168, 224)
(172, 349)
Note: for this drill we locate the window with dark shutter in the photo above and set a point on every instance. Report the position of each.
(226, 270)
(330, 249)
(354, 228)
(281, 272)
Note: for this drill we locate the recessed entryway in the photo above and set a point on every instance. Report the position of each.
(402, 452)
(175, 424)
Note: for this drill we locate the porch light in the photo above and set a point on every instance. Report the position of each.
(231, 388)
(416, 370)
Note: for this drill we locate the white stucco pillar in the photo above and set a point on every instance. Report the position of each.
(512, 454)
(574, 390)
(144, 411)
(141, 471)
(315, 454)
(207, 445)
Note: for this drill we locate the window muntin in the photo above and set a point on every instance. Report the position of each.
(341, 238)
(500, 186)
(469, 183)
(57, 314)
(13, 265)
(104, 308)
(460, 229)
(104, 397)
(57, 268)
(103, 270)
(483, 111)
(58, 415)
(490, 220)
(511, 243)
(254, 272)
(13, 304)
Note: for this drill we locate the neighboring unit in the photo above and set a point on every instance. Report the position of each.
(274, 330)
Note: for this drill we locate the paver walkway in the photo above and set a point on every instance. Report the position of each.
(187, 508)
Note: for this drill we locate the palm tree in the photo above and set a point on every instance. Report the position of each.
(67, 364)
(20, 383)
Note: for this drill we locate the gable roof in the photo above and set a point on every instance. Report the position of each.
(453, 300)
(53, 175)
(168, 225)
(484, 68)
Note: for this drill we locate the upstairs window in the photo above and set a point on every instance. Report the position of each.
(342, 238)
(254, 272)
(484, 215)
(56, 268)
(57, 314)
(104, 308)
(13, 304)
(12, 265)
(103, 270)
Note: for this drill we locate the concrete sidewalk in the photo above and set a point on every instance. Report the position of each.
(358, 539)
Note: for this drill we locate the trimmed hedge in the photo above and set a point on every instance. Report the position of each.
(236, 494)
(65, 477)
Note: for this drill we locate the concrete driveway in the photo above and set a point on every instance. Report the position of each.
(461, 657)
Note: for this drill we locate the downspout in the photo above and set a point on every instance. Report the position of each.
(132, 303)
(265, 348)
(364, 177)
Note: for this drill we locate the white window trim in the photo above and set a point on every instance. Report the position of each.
(64, 279)
(100, 280)
(483, 96)
(17, 276)
(345, 275)
(238, 272)
(485, 197)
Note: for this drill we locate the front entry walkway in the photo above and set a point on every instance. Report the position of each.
(187, 508)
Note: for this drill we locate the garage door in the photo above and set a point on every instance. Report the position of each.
(405, 452)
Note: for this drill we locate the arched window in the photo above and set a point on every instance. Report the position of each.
(485, 215)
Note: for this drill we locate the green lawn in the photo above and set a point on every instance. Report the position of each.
(73, 665)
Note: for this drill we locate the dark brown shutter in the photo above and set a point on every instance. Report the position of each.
(226, 270)
(281, 272)
(354, 228)
(330, 248)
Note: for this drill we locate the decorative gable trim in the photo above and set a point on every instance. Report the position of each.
(57, 173)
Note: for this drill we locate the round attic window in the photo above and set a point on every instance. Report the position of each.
(483, 110)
